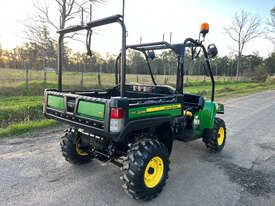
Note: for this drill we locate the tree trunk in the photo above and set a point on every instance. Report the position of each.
(82, 78)
(45, 76)
(44, 68)
(165, 76)
(239, 57)
(82, 73)
(238, 65)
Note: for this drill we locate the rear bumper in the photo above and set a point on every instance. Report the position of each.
(78, 123)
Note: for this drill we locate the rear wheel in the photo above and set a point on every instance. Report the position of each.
(215, 141)
(146, 169)
(73, 151)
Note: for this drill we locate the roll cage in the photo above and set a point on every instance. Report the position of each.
(100, 22)
(179, 49)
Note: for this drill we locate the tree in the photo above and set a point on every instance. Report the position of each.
(169, 61)
(67, 10)
(271, 26)
(136, 62)
(260, 74)
(38, 28)
(243, 29)
(40, 35)
(250, 62)
(1, 57)
(270, 63)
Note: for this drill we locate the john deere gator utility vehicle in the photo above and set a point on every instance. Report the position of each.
(135, 126)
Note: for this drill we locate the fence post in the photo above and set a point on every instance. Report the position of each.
(27, 74)
(98, 76)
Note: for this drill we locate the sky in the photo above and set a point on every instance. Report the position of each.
(149, 19)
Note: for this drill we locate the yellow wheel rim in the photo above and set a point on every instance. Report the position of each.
(78, 150)
(220, 136)
(153, 172)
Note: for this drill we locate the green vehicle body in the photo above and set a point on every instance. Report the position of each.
(144, 108)
(135, 126)
(172, 110)
(93, 110)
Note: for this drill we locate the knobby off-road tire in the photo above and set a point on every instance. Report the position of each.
(145, 169)
(215, 141)
(72, 151)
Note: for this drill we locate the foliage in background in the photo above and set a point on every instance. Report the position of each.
(29, 55)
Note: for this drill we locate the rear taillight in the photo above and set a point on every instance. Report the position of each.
(116, 119)
(117, 113)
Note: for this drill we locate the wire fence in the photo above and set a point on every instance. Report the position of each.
(13, 77)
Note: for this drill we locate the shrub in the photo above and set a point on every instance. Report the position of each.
(260, 74)
(270, 81)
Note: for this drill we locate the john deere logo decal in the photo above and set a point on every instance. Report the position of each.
(156, 109)
(168, 107)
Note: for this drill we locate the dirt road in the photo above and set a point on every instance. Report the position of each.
(33, 172)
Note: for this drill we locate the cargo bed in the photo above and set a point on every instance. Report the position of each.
(91, 109)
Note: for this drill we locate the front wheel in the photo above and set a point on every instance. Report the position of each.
(215, 141)
(146, 169)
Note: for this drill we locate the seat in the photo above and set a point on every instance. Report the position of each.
(193, 101)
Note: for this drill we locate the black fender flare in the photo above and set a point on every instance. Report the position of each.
(135, 125)
(72, 134)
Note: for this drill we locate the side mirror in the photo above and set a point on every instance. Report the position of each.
(204, 29)
(212, 51)
(151, 55)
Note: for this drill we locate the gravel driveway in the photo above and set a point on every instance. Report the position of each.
(33, 171)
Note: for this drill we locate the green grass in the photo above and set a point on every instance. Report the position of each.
(19, 100)
(225, 90)
(26, 127)
(243, 91)
(20, 109)
(221, 89)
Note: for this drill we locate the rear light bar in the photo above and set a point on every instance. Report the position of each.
(116, 119)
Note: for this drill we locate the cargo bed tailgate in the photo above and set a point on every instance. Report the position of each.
(75, 109)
